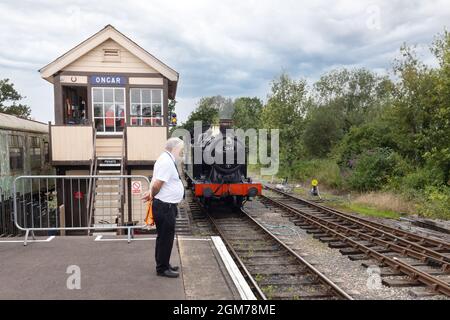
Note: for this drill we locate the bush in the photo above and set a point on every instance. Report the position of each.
(373, 169)
(325, 171)
(435, 203)
(366, 137)
(413, 183)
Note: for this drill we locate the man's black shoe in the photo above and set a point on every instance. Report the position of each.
(173, 268)
(168, 273)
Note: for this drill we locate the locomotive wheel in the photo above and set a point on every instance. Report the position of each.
(206, 204)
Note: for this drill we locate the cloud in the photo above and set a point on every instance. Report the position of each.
(230, 48)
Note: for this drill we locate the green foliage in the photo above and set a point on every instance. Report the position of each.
(355, 94)
(323, 129)
(435, 202)
(207, 111)
(285, 110)
(326, 171)
(373, 168)
(9, 99)
(247, 113)
(171, 106)
(371, 135)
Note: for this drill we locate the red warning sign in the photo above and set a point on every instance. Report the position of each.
(136, 187)
(78, 195)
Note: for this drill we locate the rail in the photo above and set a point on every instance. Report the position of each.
(346, 235)
(332, 290)
(417, 250)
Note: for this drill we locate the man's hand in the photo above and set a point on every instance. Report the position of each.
(147, 196)
(155, 187)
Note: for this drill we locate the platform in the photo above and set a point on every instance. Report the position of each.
(111, 268)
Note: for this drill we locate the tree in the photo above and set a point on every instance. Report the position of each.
(323, 130)
(9, 99)
(207, 111)
(439, 132)
(285, 110)
(247, 113)
(357, 95)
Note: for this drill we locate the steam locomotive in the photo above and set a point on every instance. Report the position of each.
(221, 171)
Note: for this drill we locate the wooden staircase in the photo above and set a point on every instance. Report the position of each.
(109, 147)
(108, 206)
(108, 192)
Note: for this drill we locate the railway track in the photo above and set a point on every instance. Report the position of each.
(425, 261)
(273, 270)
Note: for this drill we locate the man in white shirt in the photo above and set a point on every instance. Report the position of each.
(166, 191)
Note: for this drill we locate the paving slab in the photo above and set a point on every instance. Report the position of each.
(111, 268)
(204, 274)
(108, 269)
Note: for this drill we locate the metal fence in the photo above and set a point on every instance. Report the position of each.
(74, 204)
(7, 226)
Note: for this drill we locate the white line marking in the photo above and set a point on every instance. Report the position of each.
(193, 239)
(28, 241)
(100, 238)
(238, 279)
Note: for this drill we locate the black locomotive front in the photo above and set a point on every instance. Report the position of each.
(218, 167)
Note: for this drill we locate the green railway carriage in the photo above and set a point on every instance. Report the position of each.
(24, 150)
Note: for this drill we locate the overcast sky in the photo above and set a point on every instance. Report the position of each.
(232, 48)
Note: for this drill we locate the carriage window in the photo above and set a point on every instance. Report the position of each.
(15, 152)
(35, 152)
(46, 153)
(146, 107)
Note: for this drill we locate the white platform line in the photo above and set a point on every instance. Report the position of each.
(100, 238)
(238, 279)
(193, 239)
(28, 241)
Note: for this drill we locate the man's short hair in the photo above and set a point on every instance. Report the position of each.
(173, 142)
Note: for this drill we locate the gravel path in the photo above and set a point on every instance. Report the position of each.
(359, 281)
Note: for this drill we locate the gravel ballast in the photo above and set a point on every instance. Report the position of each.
(358, 281)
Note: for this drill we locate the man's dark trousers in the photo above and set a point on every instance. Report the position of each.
(165, 215)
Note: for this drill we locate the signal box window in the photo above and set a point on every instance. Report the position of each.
(109, 109)
(15, 144)
(146, 107)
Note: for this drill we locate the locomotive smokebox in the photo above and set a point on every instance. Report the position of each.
(225, 124)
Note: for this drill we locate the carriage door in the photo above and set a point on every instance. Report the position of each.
(109, 110)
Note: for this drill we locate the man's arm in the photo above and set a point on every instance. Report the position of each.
(154, 189)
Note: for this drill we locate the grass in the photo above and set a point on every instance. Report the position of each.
(387, 201)
(373, 204)
(365, 210)
(268, 291)
(380, 204)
